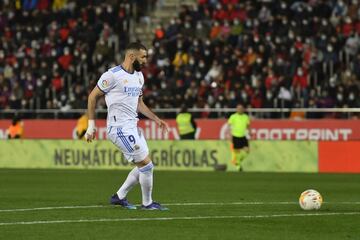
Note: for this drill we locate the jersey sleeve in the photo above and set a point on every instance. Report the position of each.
(142, 81)
(106, 82)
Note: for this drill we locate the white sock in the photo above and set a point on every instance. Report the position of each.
(146, 182)
(131, 180)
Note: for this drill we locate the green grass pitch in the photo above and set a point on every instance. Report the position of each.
(72, 204)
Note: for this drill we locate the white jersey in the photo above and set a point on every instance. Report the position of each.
(122, 91)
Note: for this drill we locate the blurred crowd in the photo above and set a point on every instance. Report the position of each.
(53, 51)
(263, 54)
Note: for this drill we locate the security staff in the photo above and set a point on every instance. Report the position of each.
(186, 124)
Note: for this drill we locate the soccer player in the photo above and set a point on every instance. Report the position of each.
(239, 123)
(122, 87)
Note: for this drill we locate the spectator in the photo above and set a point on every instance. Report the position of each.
(57, 49)
(16, 129)
(81, 126)
(217, 45)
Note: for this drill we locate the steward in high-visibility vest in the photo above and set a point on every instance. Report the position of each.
(16, 129)
(186, 124)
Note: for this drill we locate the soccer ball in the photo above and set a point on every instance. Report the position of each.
(310, 200)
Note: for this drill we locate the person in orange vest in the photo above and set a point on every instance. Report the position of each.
(82, 125)
(16, 129)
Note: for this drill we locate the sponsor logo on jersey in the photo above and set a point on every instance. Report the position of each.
(133, 91)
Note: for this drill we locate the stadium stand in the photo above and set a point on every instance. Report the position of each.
(52, 52)
(262, 53)
(265, 54)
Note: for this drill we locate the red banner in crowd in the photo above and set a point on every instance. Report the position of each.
(327, 130)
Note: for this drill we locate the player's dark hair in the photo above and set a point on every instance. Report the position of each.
(183, 108)
(15, 120)
(135, 46)
(240, 104)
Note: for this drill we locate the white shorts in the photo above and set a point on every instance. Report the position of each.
(131, 141)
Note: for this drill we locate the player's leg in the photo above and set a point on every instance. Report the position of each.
(245, 147)
(146, 169)
(133, 144)
(244, 151)
(238, 158)
(131, 180)
(241, 156)
(119, 198)
(233, 154)
(237, 151)
(135, 149)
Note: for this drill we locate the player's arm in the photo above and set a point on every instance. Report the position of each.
(248, 128)
(228, 135)
(94, 95)
(142, 108)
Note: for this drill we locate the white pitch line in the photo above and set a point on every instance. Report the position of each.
(167, 204)
(50, 208)
(175, 218)
(229, 203)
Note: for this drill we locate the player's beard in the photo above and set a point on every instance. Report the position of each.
(137, 66)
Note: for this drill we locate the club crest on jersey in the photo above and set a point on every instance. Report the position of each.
(125, 81)
(104, 83)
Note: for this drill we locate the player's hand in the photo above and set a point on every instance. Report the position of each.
(90, 132)
(228, 136)
(90, 135)
(163, 125)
